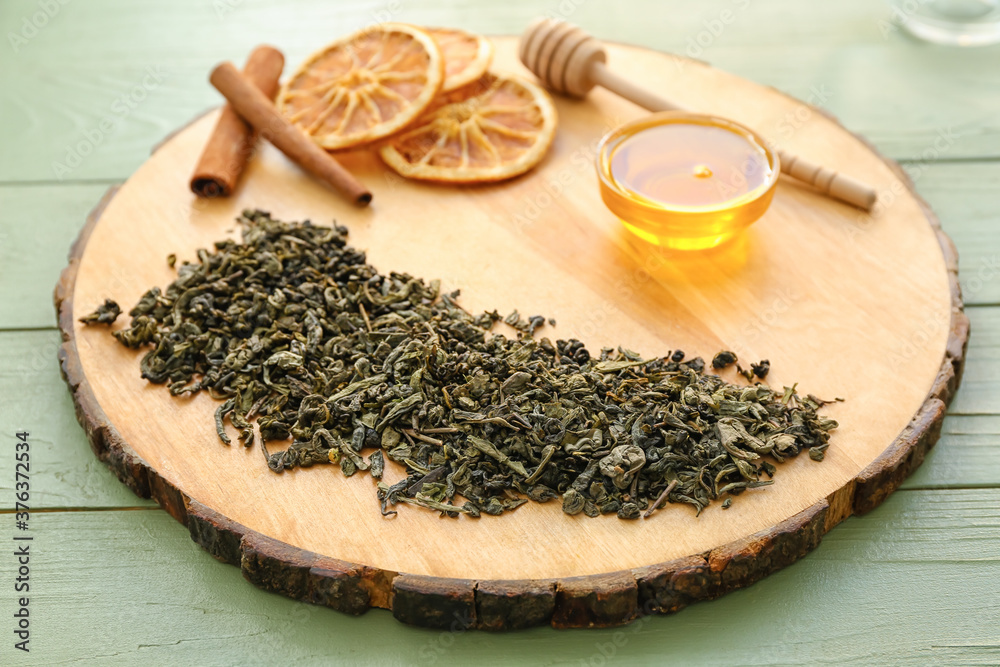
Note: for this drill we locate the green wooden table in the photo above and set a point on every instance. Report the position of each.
(88, 87)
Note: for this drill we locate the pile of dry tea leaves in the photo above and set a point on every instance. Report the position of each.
(293, 330)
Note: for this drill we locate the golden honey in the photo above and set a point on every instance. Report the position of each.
(686, 181)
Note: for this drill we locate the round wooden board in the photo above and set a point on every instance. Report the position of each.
(846, 304)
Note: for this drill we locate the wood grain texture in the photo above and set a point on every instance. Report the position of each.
(435, 602)
(911, 583)
(592, 600)
(514, 605)
(885, 474)
(596, 601)
(48, 219)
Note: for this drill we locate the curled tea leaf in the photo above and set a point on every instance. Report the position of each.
(307, 346)
(573, 502)
(106, 313)
(622, 464)
(723, 359)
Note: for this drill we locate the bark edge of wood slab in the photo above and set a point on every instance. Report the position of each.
(599, 600)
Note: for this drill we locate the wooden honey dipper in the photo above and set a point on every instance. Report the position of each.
(570, 61)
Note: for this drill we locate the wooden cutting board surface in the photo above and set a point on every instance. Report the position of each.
(846, 304)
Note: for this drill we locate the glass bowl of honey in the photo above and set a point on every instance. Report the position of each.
(686, 181)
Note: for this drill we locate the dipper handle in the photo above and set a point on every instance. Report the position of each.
(569, 61)
(829, 182)
(602, 76)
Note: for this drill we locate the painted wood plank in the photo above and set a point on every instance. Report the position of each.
(33, 398)
(964, 197)
(980, 391)
(120, 29)
(73, 113)
(967, 455)
(912, 583)
(39, 225)
(876, 591)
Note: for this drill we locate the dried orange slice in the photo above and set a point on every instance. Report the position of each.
(467, 56)
(495, 128)
(365, 86)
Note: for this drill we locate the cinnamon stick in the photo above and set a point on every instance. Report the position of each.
(250, 103)
(233, 139)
